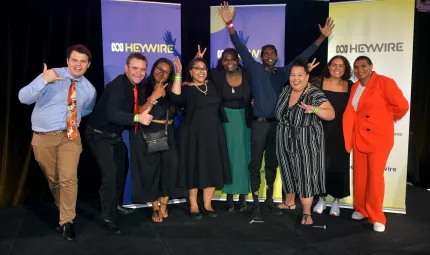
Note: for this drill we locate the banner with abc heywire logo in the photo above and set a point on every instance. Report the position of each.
(251, 22)
(137, 26)
(386, 37)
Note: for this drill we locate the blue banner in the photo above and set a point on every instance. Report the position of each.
(256, 25)
(136, 26)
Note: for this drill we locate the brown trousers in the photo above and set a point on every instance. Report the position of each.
(59, 157)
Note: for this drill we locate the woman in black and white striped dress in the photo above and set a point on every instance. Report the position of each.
(300, 139)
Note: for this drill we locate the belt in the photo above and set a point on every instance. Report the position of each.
(162, 121)
(112, 135)
(55, 132)
(264, 119)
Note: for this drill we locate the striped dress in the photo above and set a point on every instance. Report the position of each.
(300, 144)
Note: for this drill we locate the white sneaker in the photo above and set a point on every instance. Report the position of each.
(378, 227)
(320, 206)
(357, 216)
(335, 208)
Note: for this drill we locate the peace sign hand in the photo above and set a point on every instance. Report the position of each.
(49, 75)
(199, 53)
(312, 65)
(159, 91)
(307, 108)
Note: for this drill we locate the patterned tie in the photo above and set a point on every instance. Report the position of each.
(72, 112)
(136, 106)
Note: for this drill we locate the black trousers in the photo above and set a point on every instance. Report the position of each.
(112, 157)
(263, 142)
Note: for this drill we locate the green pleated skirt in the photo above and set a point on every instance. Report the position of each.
(238, 137)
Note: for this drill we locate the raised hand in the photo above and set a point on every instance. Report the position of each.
(312, 65)
(168, 39)
(49, 75)
(225, 13)
(178, 66)
(242, 38)
(145, 118)
(200, 54)
(328, 27)
(306, 107)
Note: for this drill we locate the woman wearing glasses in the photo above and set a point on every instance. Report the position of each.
(203, 156)
(155, 173)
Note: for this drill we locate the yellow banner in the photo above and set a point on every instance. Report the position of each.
(383, 31)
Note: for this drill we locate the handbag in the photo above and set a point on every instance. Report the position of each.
(157, 141)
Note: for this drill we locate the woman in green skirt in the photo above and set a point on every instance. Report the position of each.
(233, 84)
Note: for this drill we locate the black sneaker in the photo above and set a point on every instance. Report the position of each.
(272, 208)
(256, 213)
(111, 227)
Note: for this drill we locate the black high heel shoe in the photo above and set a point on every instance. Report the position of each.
(196, 215)
(211, 213)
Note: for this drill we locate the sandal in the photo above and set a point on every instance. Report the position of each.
(165, 214)
(305, 218)
(156, 217)
(288, 207)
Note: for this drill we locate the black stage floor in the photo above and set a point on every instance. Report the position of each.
(30, 230)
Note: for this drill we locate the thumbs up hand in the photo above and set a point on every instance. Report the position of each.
(145, 118)
(49, 75)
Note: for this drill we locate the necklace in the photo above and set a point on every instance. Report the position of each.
(205, 92)
(232, 90)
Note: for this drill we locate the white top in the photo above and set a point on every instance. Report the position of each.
(357, 95)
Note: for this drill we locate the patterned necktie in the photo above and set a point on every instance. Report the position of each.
(72, 112)
(136, 106)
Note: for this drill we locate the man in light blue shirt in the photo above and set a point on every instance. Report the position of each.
(57, 93)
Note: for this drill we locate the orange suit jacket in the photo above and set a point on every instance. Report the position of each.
(381, 103)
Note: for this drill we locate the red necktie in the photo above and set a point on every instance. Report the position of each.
(136, 106)
(72, 112)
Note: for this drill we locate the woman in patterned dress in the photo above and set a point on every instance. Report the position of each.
(300, 139)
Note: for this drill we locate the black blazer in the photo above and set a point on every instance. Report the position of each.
(218, 77)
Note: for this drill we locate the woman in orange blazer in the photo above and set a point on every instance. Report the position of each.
(376, 102)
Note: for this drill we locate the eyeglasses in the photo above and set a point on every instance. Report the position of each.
(200, 69)
(161, 70)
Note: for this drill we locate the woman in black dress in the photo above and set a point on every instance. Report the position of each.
(336, 85)
(203, 155)
(154, 174)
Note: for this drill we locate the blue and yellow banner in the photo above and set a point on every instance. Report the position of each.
(383, 31)
(135, 26)
(256, 25)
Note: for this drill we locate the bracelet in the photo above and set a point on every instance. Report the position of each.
(230, 25)
(154, 103)
(44, 81)
(136, 118)
(315, 109)
(177, 78)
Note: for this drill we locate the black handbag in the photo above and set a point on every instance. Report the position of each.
(157, 141)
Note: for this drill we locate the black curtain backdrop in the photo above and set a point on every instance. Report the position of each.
(39, 32)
